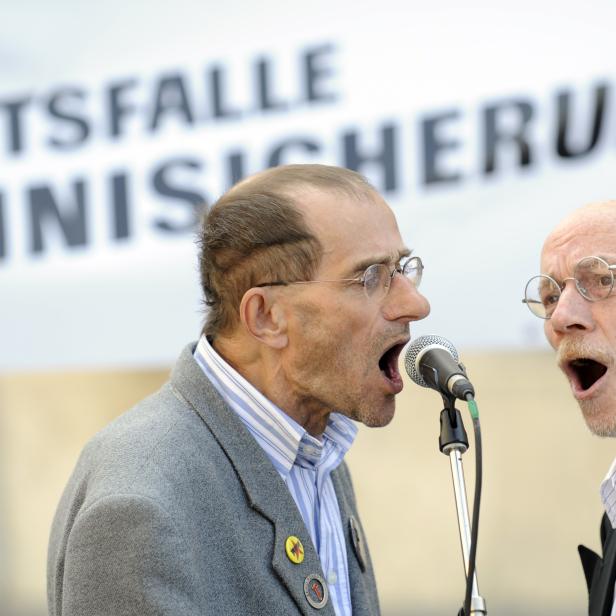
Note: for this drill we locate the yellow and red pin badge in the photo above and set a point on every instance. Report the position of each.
(294, 549)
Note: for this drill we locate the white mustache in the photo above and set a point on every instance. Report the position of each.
(574, 348)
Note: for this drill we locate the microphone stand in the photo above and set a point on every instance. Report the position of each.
(453, 442)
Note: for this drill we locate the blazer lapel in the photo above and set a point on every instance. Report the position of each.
(364, 597)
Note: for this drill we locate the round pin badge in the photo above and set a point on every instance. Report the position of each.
(316, 591)
(294, 549)
(357, 538)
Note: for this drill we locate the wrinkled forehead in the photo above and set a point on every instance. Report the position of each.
(329, 211)
(590, 230)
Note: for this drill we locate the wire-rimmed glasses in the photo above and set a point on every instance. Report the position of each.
(593, 277)
(375, 280)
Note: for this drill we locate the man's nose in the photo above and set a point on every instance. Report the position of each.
(572, 311)
(404, 301)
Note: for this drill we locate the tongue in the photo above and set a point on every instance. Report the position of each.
(389, 367)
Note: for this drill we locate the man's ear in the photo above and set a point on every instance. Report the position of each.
(262, 315)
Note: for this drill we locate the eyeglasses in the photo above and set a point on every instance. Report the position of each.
(593, 277)
(376, 279)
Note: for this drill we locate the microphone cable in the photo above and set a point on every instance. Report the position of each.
(474, 411)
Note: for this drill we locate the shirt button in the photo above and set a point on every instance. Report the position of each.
(332, 578)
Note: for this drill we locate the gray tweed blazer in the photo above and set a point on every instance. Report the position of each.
(174, 509)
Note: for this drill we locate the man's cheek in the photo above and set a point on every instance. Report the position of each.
(549, 334)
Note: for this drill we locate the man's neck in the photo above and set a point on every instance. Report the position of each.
(264, 370)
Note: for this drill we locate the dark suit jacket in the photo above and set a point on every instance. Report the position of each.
(174, 509)
(600, 572)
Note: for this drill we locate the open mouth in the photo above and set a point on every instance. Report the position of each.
(388, 364)
(585, 372)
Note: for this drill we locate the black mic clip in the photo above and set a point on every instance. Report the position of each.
(453, 434)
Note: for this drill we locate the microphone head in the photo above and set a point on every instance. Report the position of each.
(417, 348)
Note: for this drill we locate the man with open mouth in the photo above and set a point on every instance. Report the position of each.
(575, 296)
(226, 492)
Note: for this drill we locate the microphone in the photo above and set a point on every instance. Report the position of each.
(433, 362)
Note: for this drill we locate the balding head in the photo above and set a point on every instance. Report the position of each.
(295, 180)
(263, 230)
(592, 217)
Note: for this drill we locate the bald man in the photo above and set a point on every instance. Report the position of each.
(226, 492)
(575, 296)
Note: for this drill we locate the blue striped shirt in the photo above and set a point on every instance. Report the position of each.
(304, 462)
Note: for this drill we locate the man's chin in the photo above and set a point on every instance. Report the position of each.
(379, 422)
(599, 419)
(378, 418)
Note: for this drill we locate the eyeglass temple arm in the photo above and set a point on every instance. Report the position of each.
(282, 283)
(276, 283)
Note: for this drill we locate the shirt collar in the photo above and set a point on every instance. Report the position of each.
(284, 440)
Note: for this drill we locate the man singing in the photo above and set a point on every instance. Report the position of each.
(575, 295)
(226, 492)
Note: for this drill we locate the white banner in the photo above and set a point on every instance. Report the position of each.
(481, 127)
